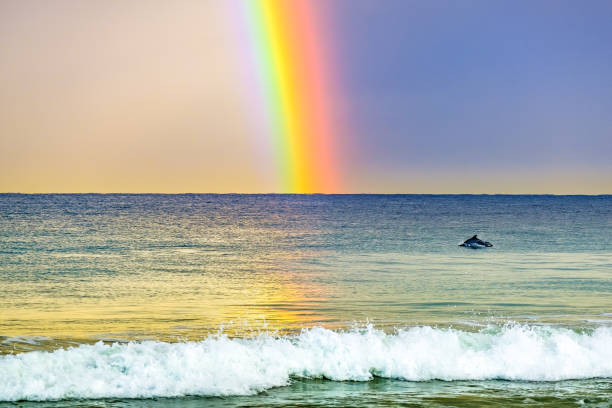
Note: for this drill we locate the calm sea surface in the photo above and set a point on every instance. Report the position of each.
(293, 300)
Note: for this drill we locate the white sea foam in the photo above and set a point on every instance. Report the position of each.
(224, 366)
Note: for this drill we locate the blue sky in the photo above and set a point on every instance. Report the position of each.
(456, 86)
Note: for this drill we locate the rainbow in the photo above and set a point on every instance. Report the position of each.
(293, 66)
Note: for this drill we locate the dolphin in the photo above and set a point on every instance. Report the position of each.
(475, 243)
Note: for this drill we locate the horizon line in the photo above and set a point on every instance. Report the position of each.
(310, 194)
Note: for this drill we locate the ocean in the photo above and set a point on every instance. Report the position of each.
(305, 300)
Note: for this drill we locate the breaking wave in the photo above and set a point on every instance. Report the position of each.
(220, 366)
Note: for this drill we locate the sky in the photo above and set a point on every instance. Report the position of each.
(425, 97)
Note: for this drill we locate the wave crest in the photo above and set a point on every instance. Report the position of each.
(220, 366)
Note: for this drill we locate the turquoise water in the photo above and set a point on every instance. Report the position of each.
(264, 300)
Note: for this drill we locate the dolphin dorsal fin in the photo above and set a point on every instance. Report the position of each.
(474, 237)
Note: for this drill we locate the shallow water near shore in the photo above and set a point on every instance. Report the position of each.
(317, 300)
(380, 392)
